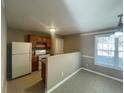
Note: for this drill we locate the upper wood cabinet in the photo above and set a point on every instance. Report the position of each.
(33, 40)
(39, 39)
(48, 40)
(42, 39)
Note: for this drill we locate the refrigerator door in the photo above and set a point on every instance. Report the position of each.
(21, 65)
(21, 48)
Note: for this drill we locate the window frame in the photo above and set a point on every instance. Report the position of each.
(96, 63)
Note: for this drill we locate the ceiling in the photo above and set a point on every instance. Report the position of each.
(68, 16)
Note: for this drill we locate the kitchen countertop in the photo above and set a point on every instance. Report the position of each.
(44, 60)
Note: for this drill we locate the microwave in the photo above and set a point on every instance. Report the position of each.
(40, 52)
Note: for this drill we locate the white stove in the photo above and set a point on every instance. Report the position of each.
(41, 57)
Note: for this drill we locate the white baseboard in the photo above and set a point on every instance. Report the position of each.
(61, 82)
(101, 74)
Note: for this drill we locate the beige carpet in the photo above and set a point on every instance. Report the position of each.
(86, 82)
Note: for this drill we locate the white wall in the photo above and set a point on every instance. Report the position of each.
(59, 45)
(3, 51)
(61, 66)
(71, 43)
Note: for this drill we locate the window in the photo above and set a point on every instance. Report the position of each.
(109, 51)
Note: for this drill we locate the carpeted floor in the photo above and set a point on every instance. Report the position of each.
(86, 82)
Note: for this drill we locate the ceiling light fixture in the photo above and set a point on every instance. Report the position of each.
(119, 30)
(52, 29)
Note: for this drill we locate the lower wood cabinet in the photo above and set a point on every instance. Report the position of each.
(43, 71)
(35, 63)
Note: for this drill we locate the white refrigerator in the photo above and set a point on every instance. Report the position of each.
(21, 59)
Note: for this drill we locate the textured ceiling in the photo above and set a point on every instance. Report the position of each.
(68, 16)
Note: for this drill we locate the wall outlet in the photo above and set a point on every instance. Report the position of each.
(62, 74)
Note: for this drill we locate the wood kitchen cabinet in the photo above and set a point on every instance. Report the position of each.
(35, 63)
(43, 71)
(33, 40)
(44, 40)
(48, 40)
(36, 40)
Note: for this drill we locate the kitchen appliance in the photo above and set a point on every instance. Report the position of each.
(40, 45)
(41, 57)
(21, 56)
(41, 53)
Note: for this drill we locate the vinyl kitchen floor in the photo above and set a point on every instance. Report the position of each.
(87, 82)
(31, 83)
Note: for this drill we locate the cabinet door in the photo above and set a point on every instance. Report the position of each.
(33, 40)
(44, 40)
(39, 39)
(33, 44)
(34, 63)
(48, 43)
(43, 72)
